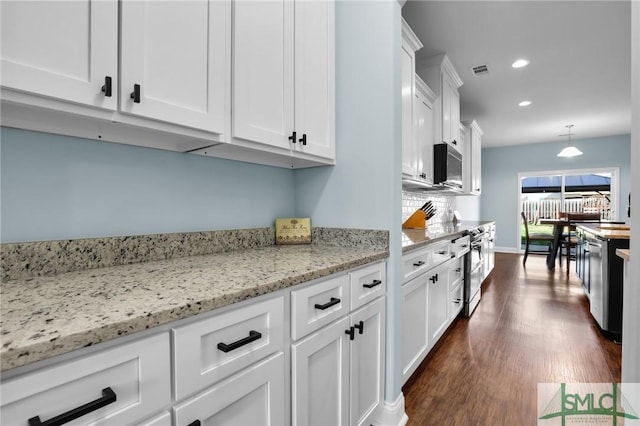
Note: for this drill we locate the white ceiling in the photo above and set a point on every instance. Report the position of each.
(580, 70)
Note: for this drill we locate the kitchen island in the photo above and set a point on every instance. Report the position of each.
(601, 272)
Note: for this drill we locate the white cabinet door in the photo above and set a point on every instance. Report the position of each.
(174, 61)
(407, 71)
(424, 136)
(415, 335)
(438, 280)
(314, 78)
(320, 377)
(446, 96)
(255, 396)
(61, 49)
(367, 362)
(454, 104)
(262, 77)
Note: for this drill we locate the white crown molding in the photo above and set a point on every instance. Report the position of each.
(444, 63)
(423, 88)
(410, 37)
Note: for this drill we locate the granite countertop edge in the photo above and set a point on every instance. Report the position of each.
(419, 238)
(48, 343)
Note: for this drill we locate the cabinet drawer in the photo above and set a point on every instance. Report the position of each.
(216, 347)
(137, 373)
(255, 396)
(440, 252)
(319, 304)
(416, 262)
(460, 246)
(367, 284)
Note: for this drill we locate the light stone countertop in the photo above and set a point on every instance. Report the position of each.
(413, 239)
(44, 316)
(607, 230)
(624, 254)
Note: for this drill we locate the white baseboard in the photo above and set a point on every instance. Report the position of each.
(512, 250)
(392, 413)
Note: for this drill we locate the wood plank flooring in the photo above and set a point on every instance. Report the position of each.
(532, 325)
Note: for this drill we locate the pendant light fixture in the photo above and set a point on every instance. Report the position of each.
(569, 150)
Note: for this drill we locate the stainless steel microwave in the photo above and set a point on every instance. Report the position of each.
(447, 166)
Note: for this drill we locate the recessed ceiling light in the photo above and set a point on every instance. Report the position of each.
(524, 103)
(520, 63)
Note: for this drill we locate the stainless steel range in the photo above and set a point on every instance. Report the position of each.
(474, 270)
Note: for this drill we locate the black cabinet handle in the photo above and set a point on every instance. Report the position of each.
(135, 95)
(360, 327)
(373, 284)
(108, 397)
(455, 142)
(457, 301)
(351, 332)
(195, 423)
(106, 87)
(433, 279)
(253, 336)
(453, 255)
(330, 303)
(419, 263)
(303, 141)
(458, 269)
(292, 138)
(465, 245)
(442, 252)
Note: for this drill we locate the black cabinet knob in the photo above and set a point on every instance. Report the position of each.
(303, 140)
(135, 95)
(106, 87)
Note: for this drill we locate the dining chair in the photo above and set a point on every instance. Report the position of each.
(570, 240)
(528, 238)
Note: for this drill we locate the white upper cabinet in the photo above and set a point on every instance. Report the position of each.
(410, 44)
(64, 50)
(424, 131)
(174, 61)
(283, 75)
(473, 158)
(439, 74)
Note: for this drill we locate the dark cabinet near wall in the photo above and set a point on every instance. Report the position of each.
(601, 272)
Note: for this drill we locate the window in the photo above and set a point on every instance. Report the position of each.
(543, 195)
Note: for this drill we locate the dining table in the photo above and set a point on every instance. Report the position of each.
(558, 228)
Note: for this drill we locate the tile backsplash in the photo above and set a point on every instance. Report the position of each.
(413, 200)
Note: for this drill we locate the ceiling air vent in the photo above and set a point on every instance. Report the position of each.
(480, 70)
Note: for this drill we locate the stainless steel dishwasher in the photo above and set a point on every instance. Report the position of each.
(598, 280)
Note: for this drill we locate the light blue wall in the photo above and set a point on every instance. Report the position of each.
(364, 189)
(500, 168)
(56, 187)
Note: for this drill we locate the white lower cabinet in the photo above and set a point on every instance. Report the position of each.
(415, 335)
(438, 306)
(253, 397)
(128, 383)
(337, 372)
(229, 367)
(431, 300)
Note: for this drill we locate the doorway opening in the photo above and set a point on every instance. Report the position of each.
(543, 195)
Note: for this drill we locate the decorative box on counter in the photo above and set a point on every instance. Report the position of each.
(293, 230)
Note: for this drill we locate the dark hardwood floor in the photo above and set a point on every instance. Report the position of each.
(532, 326)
